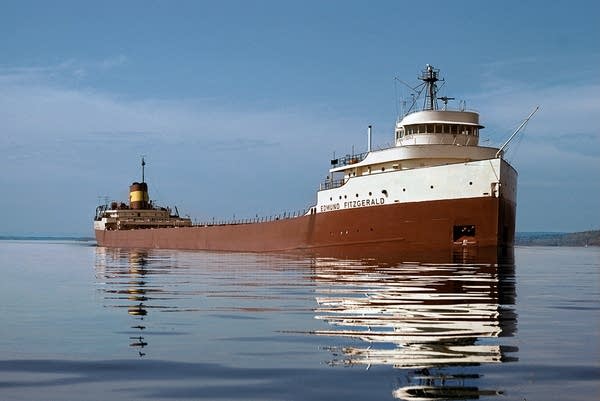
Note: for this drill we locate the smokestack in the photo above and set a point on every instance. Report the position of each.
(369, 139)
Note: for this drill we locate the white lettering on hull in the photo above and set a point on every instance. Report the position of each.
(330, 207)
(352, 204)
(364, 203)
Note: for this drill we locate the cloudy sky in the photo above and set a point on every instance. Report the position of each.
(239, 105)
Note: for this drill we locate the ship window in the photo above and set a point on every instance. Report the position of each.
(439, 129)
(422, 129)
(430, 128)
(454, 129)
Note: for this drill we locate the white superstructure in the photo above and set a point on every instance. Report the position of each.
(436, 157)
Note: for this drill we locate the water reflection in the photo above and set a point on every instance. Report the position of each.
(437, 322)
(125, 275)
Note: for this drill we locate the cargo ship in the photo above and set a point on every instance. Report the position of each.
(435, 189)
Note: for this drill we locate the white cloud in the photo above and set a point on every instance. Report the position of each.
(65, 71)
(568, 119)
(64, 138)
(112, 62)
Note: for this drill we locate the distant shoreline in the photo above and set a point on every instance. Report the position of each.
(44, 238)
(582, 238)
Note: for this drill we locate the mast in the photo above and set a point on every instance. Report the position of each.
(143, 166)
(430, 76)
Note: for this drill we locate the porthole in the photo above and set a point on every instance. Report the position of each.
(403, 189)
(470, 182)
(357, 195)
(331, 198)
(431, 186)
(383, 169)
(345, 196)
(370, 193)
(340, 196)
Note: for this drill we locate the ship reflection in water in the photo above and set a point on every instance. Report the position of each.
(124, 275)
(437, 322)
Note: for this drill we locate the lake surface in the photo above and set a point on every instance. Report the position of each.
(79, 322)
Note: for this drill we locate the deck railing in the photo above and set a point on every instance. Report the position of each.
(331, 184)
(348, 159)
(252, 220)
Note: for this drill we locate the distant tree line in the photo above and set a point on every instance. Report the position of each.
(584, 238)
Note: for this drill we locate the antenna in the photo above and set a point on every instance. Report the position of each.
(396, 100)
(415, 94)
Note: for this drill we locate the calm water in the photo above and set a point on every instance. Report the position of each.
(85, 323)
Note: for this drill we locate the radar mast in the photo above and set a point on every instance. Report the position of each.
(430, 76)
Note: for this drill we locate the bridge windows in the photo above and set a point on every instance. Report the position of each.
(454, 129)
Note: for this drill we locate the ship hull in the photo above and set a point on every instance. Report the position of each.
(405, 227)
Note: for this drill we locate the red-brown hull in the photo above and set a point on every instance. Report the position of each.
(419, 226)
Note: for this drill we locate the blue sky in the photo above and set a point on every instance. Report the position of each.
(239, 105)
